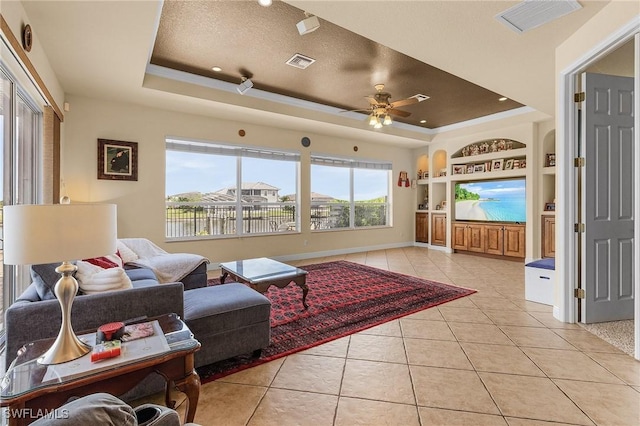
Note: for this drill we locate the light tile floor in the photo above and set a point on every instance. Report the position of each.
(492, 358)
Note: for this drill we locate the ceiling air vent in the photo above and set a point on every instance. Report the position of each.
(420, 97)
(531, 14)
(300, 61)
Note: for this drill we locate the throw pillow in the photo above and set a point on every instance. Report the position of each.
(44, 278)
(126, 254)
(104, 262)
(93, 279)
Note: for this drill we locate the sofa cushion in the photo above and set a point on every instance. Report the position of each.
(44, 278)
(98, 409)
(235, 307)
(137, 274)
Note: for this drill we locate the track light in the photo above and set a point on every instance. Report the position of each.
(245, 85)
(308, 25)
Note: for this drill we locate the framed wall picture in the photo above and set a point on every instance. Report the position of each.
(508, 165)
(470, 168)
(458, 169)
(550, 207)
(117, 160)
(551, 160)
(497, 164)
(478, 168)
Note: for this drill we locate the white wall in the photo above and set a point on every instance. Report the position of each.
(141, 203)
(16, 17)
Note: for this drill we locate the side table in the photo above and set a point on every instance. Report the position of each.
(29, 390)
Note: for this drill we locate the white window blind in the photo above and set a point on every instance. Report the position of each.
(230, 150)
(322, 160)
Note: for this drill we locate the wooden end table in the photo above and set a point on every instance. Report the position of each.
(262, 273)
(28, 388)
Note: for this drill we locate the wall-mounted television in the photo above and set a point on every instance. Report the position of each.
(491, 200)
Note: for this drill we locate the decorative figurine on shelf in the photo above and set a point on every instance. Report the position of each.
(420, 174)
(494, 146)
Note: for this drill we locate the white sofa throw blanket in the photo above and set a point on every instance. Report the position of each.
(168, 267)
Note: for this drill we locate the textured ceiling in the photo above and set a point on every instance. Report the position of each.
(245, 39)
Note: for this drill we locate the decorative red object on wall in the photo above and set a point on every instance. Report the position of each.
(403, 179)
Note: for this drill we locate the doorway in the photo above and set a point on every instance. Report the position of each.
(620, 57)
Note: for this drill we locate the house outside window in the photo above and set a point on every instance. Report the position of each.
(349, 193)
(202, 181)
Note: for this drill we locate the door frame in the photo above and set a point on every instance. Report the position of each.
(566, 308)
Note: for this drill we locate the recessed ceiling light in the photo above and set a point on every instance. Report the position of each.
(265, 3)
(502, 99)
(217, 69)
(423, 121)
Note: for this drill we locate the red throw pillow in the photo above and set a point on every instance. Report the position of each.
(102, 262)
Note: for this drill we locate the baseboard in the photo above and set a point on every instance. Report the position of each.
(326, 253)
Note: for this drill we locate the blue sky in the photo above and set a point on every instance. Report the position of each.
(497, 188)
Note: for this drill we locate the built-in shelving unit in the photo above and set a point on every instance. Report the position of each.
(480, 160)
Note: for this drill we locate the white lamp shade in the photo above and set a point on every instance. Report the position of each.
(35, 234)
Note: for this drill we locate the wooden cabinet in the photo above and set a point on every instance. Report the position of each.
(422, 227)
(438, 229)
(496, 239)
(459, 236)
(514, 240)
(548, 236)
(469, 237)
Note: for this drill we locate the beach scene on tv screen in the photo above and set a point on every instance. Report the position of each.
(496, 201)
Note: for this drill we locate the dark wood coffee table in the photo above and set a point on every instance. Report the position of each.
(262, 273)
(29, 388)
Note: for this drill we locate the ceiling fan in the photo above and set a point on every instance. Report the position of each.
(380, 109)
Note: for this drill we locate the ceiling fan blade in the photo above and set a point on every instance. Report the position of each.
(403, 102)
(367, 110)
(372, 100)
(398, 112)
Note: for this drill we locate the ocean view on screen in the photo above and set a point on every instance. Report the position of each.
(495, 201)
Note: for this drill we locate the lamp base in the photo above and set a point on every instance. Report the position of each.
(67, 346)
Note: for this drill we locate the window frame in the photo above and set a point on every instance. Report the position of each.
(319, 159)
(239, 206)
(22, 166)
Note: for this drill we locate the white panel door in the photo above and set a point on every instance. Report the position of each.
(607, 212)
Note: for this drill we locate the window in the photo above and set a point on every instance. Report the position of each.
(202, 181)
(20, 126)
(349, 193)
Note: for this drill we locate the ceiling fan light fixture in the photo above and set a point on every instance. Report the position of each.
(387, 120)
(378, 125)
(373, 119)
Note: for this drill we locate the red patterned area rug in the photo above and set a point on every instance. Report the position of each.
(344, 298)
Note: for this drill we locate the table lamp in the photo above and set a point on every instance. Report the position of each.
(36, 234)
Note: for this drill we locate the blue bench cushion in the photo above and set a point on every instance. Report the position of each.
(548, 263)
